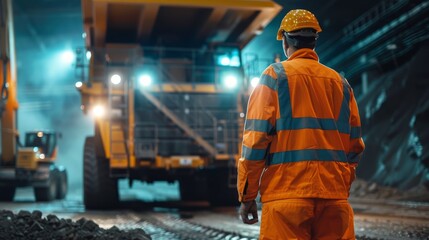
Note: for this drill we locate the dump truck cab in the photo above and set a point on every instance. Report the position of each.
(165, 84)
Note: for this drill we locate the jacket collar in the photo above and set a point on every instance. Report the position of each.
(304, 53)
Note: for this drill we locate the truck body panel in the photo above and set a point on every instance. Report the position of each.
(165, 83)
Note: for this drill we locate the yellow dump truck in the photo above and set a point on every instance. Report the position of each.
(165, 84)
(32, 164)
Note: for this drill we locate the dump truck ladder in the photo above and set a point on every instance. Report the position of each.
(118, 104)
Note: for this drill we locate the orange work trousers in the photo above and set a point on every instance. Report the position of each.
(304, 219)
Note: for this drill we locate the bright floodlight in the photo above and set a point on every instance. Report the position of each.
(145, 80)
(98, 111)
(230, 81)
(254, 82)
(115, 79)
(88, 55)
(235, 61)
(67, 56)
(225, 61)
(78, 84)
(42, 156)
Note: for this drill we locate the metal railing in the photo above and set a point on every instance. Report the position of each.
(173, 67)
(166, 65)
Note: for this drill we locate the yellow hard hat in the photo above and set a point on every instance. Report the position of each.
(298, 19)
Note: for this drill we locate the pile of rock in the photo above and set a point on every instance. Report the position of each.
(361, 188)
(31, 225)
(371, 190)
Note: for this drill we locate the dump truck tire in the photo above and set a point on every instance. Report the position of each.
(48, 193)
(7, 194)
(220, 194)
(100, 190)
(62, 183)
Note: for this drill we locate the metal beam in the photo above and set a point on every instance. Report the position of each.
(213, 20)
(182, 125)
(100, 23)
(243, 4)
(258, 24)
(147, 21)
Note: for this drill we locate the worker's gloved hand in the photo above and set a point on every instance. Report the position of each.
(247, 208)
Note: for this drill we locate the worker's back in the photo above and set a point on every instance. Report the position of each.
(315, 90)
(301, 143)
(309, 152)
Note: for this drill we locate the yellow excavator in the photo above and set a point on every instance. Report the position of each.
(164, 82)
(31, 164)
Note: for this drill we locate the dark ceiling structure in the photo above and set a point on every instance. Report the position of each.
(357, 35)
(360, 36)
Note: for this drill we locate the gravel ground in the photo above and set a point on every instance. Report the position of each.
(173, 225)
(31, 225)
(378, 227)
(381, 213)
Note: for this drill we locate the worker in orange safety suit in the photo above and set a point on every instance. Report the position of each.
(301, 143)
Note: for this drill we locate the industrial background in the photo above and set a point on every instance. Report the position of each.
(183, 122)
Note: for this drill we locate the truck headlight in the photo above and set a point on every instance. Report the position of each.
(116, 79)
(230, 81)
(145, 80)
(98, 111)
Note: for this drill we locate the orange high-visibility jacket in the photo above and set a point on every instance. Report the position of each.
(302, 136)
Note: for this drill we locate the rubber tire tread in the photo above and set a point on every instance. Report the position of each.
(62, 190)
(100, 190)
(49, 193)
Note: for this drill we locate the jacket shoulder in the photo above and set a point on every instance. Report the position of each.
(279, 70)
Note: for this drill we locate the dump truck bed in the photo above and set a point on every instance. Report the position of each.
(178, 23)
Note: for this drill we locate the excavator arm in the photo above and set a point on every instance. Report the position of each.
(8, 85)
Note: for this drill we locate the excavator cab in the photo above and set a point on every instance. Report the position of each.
(35, 163)
(45, 142)
(36, 166)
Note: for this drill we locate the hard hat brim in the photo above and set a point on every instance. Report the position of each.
(279, 34)
(303, 34)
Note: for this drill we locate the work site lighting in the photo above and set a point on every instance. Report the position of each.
(145, 80)
(115, 79)
(98, 111)
(67, 56)
(78, 84)
(225, 61)
(234, 62)
(230, 81)
(254, 82)
(88, 55)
